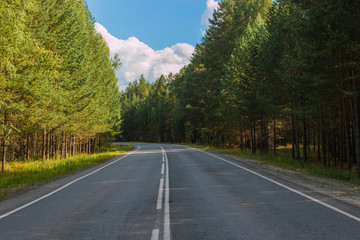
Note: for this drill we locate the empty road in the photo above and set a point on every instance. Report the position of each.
(175, 192)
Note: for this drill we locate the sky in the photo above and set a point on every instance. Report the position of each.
(152, 37)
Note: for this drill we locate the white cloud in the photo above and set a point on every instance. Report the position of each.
(211, 5)
(138, 58)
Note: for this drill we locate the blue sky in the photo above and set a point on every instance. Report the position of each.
(152, 37)
(158, 23)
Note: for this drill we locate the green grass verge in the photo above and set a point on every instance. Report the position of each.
(283, 159)
(21, 174)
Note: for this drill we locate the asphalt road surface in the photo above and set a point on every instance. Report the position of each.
(175, 192)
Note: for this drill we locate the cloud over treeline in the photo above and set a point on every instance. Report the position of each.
(211, 5)
(138, 58)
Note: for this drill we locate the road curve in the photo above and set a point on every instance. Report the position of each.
(175, 192)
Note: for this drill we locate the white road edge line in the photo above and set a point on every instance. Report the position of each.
(63, 187)
(286, 187)
(160, 194)
(167, 194)
(155, 234)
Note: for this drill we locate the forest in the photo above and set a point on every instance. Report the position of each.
(266, 74)
(58, 89)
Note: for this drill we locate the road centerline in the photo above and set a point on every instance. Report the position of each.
(163, 169)
(167, 234)
(160, 194)
(155, 234)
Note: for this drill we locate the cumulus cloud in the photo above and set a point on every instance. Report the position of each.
(138, 58)
(211, 5)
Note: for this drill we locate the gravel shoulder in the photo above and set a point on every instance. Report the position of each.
(337, 189)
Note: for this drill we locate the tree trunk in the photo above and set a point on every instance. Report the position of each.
(44, 146)
(241, 140)
(35, 148)
(53, 146)
(265, 135)
(66, 145)
(319, 142)
(356, 129)
(253, 138)
(335, 146)
(347, 135)
(326, 142)
(323, 150)
(246, 140)
(93, 144)
(304, 140)
(48, 146)
(262, 134)
(341, 138)
(314, 136)
(296, 140)
(297, 143)
(274, 139)
(74, 146)
(56, 146)
(63, 146)
(87, 146)
(308, 136)
(27, 151)
(293, 137)
(3, 158)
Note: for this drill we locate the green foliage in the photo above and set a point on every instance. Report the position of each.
(147, 110)
(57, 81)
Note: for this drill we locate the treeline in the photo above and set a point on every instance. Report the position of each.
(58, 92)
(265, 74)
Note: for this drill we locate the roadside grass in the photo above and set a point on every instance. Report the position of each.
(20, 175)
(283, 159)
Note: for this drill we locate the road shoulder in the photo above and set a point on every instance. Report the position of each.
(337, 189)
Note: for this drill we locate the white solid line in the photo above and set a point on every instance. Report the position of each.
(286, 187)
(160, 194)
(163, 169)
(167, 207)
(155, 234)
(63, 187)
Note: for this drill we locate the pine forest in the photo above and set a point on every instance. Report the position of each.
(58, 90)
(266, 74)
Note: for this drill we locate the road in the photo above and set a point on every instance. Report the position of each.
(175, 192)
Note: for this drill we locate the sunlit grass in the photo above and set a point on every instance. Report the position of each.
(21, 174)
(283, 159)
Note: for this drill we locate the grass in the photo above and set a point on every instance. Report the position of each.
(283, 159)
(19, 175)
